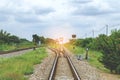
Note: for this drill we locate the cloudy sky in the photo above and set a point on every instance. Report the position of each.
(59, 18)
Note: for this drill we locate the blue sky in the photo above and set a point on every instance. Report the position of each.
(58, 18)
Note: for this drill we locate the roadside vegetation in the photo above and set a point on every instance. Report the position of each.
(41, 40)
(103, 50)
(17, 68)
(12, 42)
(93, 56)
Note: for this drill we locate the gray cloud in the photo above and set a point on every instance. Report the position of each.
(6, 11)
(43, 11)
(3, 18)
(95, 8)
(13, 12)
(19, 16)
(27, 19)
(81, 1)
(92, 11)
(24, 16)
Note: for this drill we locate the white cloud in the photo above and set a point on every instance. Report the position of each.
(96, 7)
(70, 16)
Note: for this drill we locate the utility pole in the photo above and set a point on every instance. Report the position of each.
(85, 35)
(107, 30)
(93, 33)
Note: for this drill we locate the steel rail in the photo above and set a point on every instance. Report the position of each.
(52, 72)
(54, 66)
(74, 71)
(17, 50)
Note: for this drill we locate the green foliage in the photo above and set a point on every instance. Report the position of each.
(42, 39)
(108, 45)
(72, 41)
(86, 42)
(13, 39)
(4, 36)
(77, 49)
(78, 42)
(50, 41)
(36, 39)
(118, 69)
(83, 42)
(93, 56)
(7, 38)
(10, 42)
(5, 47)
(17, 67)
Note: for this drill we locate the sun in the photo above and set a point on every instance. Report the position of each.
(61, 32)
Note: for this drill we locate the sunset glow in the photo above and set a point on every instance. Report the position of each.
(63, 31)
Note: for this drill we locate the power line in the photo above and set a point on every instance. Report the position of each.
(101, 29)
(106, 28)
(114, 25)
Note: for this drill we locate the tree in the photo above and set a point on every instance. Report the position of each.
(78, 42)
(24, 40)
(4, 36)
(36, 39)
(42, 39)
(14, 39)
(110, 47)
(86, 42)
(50, 41)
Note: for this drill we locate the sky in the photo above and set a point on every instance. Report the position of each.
(59, 18)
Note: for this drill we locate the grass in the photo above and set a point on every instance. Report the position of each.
(93, 56)
(7, 47)
(16, 68)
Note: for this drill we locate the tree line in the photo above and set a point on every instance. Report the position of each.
(7, 38)
(38, 40)
(108, 45)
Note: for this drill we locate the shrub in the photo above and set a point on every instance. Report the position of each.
(118, 69)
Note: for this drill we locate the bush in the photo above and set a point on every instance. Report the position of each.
(108, 45)
(118, 69)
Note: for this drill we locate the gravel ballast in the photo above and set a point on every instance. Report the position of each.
(85, 70)
(41, 71)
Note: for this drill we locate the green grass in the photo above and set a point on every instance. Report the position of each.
(24, 45)
(93, 60)
(5, 47)
(93, 56)
(77, 50)
(16, 68)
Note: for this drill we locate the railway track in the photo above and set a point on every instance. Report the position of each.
(11, 51)
(63, 68)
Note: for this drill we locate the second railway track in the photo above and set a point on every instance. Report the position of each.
(63, 68)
